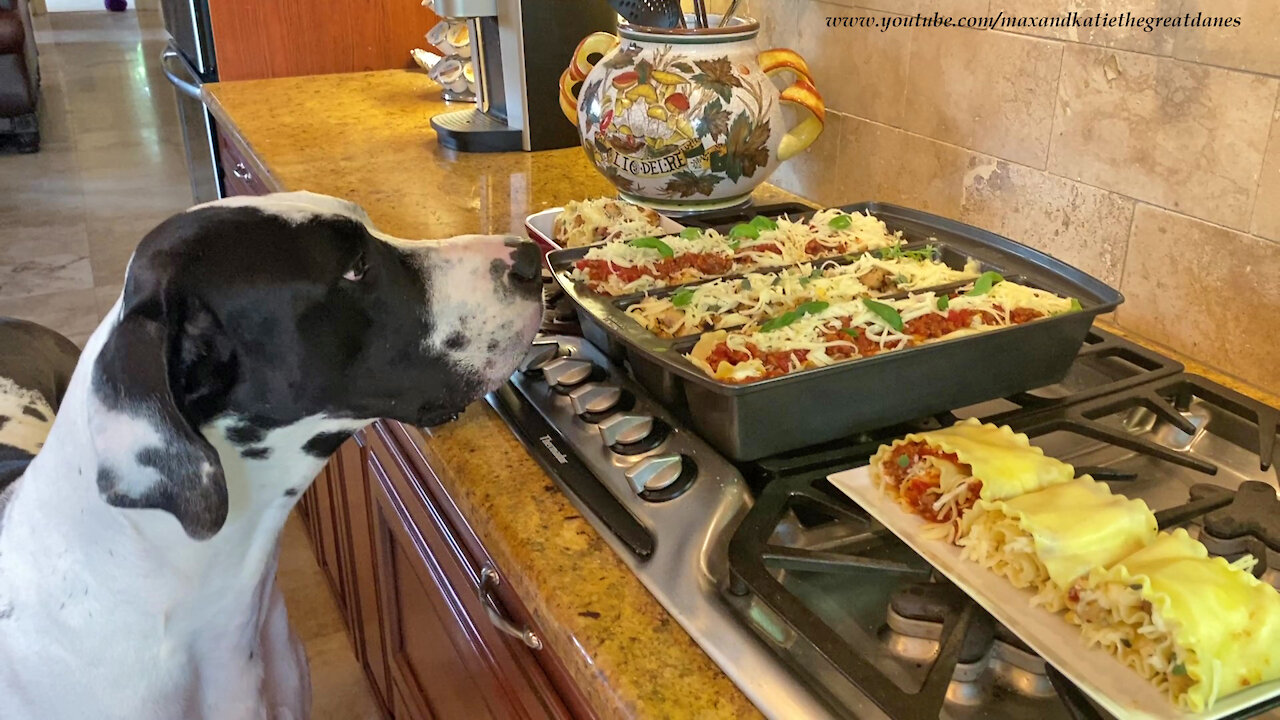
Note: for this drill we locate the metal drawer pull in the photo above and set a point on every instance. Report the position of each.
(488, 580)
(242, 172)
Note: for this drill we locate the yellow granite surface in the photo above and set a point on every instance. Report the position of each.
(366, 137)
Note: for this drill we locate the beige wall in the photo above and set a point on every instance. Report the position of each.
(1151, 160)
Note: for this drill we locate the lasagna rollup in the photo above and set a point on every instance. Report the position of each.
(1200, 628)
(1046, 539)
(940, 475)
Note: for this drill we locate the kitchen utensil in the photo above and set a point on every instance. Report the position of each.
(771, 416)
(728, 13)
(650, 13)
(688, 120)
(700, 12)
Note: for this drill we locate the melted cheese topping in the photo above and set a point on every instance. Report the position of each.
(791, 242)
(810, 332)
(587, 222)
(759, 296)
(1198, 627)
(1047, 539)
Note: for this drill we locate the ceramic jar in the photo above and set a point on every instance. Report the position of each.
(685, 120)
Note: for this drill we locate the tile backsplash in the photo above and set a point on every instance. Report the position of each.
(1148, 159)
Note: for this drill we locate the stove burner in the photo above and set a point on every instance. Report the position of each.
(989, 654)
(1250, 524)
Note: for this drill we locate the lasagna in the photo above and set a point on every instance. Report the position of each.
(819, 333)
(940, 475)
(1047, 539)
(755, 297)
(1199, 628)
(588, 222)
(622, 267)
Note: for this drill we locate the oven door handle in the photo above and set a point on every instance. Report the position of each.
(191, 90)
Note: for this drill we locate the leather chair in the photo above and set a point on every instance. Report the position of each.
(19, 78)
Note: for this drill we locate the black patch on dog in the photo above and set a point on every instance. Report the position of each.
(31, 411)
(13, 462)
(256, 453)
(245, 434)
(456, 340)
(4, 420)
(291, 492)
(325, 444)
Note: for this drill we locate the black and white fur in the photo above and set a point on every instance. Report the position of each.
(138, 550)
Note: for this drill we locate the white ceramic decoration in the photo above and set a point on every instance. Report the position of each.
(686, 119)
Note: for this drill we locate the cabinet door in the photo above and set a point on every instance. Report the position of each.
(446, 659)
(238, 176)
(364, 618)
(327, 524)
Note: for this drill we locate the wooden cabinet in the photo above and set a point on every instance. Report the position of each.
(238, 175)
(407, 572)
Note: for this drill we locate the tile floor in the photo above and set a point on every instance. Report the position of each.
(110, 168)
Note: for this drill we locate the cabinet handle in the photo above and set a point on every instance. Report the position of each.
(488, 580)
(242, 172)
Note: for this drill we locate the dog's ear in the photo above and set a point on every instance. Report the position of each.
(159, 372)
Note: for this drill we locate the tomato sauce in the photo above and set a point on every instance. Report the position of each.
(921, 490)
(599, 271)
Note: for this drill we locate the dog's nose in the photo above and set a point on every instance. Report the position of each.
(526, 260)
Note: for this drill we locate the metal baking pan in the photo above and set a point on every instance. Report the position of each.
(762, 418)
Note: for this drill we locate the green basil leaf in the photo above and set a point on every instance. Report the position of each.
(653, 243)
(944, 302)
(1180, 669)
(983, 284)
(761, 222)
(682, 298)
(734, 244)
(885, 312)
(745, 284)
(817, 273)
(851, 332)
(777, 280)
(691, 233)
(903, 461)
(781, 321)
(840, 222)
(902, 279)
(813, 307)
(1075, 305)
(742, 230)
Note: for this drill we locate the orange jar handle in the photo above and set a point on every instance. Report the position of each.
(800, 93)
(596, 44)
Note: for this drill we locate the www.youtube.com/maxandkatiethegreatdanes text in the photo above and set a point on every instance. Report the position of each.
(1073, 19)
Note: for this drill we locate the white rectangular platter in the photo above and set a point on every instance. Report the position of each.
(1115, 687)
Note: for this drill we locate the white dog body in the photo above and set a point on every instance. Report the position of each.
(124, 612)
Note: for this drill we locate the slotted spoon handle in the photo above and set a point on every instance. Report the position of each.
(700, 10)
(729, 12)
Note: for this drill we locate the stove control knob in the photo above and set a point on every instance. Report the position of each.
(654, 473)
(567, 372)
(540, 354)
(623, 429)
(594, 398)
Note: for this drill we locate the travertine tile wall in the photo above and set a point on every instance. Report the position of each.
(1149, 159)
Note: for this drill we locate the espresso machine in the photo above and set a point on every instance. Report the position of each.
(519, 48)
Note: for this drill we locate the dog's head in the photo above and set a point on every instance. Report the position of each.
(253, 315)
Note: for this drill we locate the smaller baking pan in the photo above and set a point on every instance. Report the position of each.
(756, 419)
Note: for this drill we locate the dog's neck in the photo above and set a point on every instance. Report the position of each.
(57, 513)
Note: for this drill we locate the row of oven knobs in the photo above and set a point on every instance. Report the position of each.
(657, 477)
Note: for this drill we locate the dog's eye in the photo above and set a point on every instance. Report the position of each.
(357, 270)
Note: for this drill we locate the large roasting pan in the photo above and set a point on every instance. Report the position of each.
(762, 418)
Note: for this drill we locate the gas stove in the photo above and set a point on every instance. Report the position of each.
(812, 608)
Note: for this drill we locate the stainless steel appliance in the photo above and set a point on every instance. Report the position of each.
(812, 609)
(189, 62)
(519, 50)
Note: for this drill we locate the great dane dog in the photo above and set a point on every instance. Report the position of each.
(253, 335)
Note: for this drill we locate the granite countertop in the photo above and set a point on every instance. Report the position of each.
(366, 137)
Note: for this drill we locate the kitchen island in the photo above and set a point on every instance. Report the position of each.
(405, 521)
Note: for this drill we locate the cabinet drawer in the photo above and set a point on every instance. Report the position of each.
(238, 175)
(447, 659)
